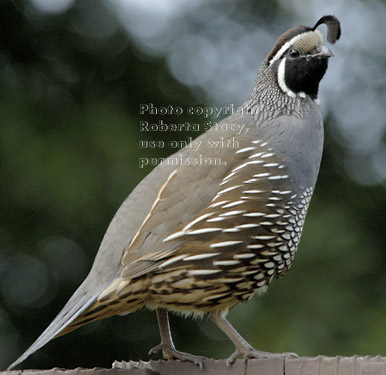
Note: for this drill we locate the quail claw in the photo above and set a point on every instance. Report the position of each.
(155, 350)
(232, 358)
(170, 352)
(253, 353)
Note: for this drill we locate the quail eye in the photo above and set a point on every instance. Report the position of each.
(294, 53)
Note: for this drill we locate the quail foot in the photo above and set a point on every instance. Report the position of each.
(200, 237)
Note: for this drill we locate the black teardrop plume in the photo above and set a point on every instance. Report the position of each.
(333, 27)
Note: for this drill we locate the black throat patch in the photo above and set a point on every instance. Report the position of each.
(304, 74)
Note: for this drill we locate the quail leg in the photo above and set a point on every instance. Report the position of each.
(243, 348)
(168, 349)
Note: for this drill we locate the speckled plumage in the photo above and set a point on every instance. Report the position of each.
(201, 238)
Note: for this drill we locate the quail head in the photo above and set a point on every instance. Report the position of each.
(209, 228)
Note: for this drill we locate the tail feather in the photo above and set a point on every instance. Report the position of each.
(85, 307)
(77, 304)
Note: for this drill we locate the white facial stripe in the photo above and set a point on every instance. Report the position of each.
(292, 42)
(281, 79)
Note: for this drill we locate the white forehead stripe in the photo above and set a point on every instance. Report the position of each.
(316, 35)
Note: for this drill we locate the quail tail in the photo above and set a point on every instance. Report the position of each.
(77, 304)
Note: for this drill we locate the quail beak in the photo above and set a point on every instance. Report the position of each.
(324, 52)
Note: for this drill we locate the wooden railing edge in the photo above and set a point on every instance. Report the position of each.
(320, 365)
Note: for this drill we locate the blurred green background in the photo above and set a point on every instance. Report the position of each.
(73, 74)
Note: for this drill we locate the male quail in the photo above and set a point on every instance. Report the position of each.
(200, 237)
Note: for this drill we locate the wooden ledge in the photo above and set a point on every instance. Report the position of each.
(321, 365)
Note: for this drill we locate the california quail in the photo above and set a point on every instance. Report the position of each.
(198, 237)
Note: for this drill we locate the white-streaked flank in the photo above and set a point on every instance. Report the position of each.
(202, 272)
(255, 246)
(232, 213)
(245, 149)
(200, 256)
(203, 230)
(254, 214)
(225, 243)
(244, 256)
(172, 260)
